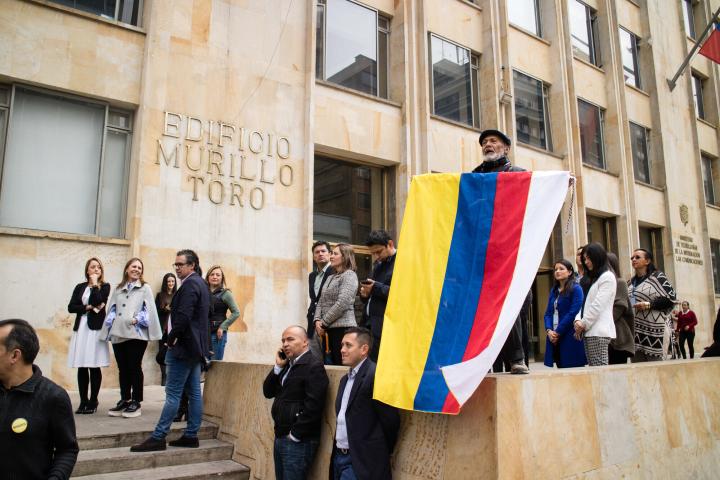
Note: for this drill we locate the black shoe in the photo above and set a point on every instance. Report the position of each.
(91, 407)
(117, 410)
(149, 445)
(132, 410)
(186, 442)
(81, 408)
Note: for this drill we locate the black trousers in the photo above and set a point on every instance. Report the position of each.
(92, 377)
(335, 336)
(617, 357)
(512, 351)
(690, 338)
(129, 355)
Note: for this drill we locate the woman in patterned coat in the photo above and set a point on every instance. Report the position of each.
(653, 298)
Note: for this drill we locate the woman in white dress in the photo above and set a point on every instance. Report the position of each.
(88, 351)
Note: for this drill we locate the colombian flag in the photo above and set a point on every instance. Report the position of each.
(469, 249)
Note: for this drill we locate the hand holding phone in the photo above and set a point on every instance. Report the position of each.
(280, 358)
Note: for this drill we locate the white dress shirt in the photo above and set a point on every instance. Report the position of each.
(341, 435)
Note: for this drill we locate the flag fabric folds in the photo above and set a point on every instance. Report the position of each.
(469, 249)
(711, 47)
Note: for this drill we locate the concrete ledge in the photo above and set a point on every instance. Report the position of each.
(654, 420)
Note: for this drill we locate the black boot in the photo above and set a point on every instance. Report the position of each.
(91, 406)
(83, 406)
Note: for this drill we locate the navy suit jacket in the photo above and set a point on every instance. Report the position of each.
(372, 427)
(314, 299)
(189, 319)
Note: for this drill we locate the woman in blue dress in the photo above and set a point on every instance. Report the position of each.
(566, 299)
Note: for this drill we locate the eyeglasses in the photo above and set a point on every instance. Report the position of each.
(178, 265)
(636, 257)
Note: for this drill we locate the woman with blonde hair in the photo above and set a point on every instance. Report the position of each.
(88, 352)
(131, 322)
(221, 300)
(335, 310)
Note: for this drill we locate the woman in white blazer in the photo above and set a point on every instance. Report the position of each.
(597, 325)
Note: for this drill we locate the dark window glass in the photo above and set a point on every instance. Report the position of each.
(524, 14)
(715, 258)
(531, 112)
(125, 11)
(602, 230)
(698, 85)
(639, 145)
(452, 81)
(320, 41)
(651, 240)
(629, 46)
(584, 32)
(708, 173)
(591, 134)
(688, 17)
(348, 201)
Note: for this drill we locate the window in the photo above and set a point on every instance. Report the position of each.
(584, 32)
(532, 118)
(709, 173)
(454, 78)
(524, 14)
(639, 144)
(592, 126)
(82, 149)
(715, 258)
(631, 67)
(689, 17)
(651, 240)
(125, 11)
(602, 230)
(352, 46)
(698, 91)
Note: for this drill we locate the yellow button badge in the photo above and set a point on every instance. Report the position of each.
(19, 425)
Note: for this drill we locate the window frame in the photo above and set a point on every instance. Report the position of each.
(593, 31)
(646, 132)
(609, 229)
(698, 91)
(109, 109)
(601, 123)
(321, 67)
(709, 181)
(538, 24)
(715, 262)
(635, 52)
(657, 246)
(688, 9)
(546, 111)
(474, 82)
(116, 14)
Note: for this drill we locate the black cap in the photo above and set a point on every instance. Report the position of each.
(486, 133)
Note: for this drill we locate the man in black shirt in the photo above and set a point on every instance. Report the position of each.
(37, 426)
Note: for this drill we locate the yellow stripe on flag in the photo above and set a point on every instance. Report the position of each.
(417, 284)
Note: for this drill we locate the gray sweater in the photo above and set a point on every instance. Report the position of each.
(128, 304)
(335, 308)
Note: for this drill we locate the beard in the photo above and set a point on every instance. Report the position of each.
(492, 156)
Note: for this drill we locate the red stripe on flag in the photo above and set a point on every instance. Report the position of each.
(510, 201)
(711, 47)
(451, 404)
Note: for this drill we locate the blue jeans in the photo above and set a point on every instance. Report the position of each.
(342, 467)
(218, 346)
(182, 375)
(293, 459)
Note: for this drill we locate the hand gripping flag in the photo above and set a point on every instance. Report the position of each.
(469, 248)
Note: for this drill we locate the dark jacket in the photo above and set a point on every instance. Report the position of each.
(98, 296)
(47, 448)
(189, 319)
(570, 352)
(314, 299)
(372, 426)
(299, 403)
(624, 320)
(382, 274)
(499, 165)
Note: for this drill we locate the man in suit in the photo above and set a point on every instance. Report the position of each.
(375, 290)
(316, 282)
(298, 383)
(187, 351)
(367, 429)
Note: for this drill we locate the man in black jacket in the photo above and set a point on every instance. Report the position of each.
(298, 383)
(187, 351)
(316, 282)
(37, 427)
(376, 289)
(367, 429)
(495, 148)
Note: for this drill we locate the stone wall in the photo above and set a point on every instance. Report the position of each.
(654, 420)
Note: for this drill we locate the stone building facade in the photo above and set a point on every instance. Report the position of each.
(247, 129)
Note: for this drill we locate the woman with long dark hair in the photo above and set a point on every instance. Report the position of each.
(652, 297)
(221, 300)
(335, 311)
(88, 351)
(131, 322)
(566, 298)
(622, 346)
(686, 323)
(162, 304)
(597, 326)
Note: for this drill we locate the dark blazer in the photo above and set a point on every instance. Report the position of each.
(299, 403)
(382, 274)
(314, 299)
(98, 296)
(571, 352)
(189, 319)
(372, 427)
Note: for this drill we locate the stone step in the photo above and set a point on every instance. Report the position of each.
(225, 469)
(108, 460)
(115, 439)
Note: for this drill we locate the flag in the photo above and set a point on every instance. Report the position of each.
(469, 249)
(711, 47)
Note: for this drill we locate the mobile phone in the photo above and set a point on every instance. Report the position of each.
(282, 355)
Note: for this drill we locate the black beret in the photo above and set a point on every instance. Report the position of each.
(486, 133)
